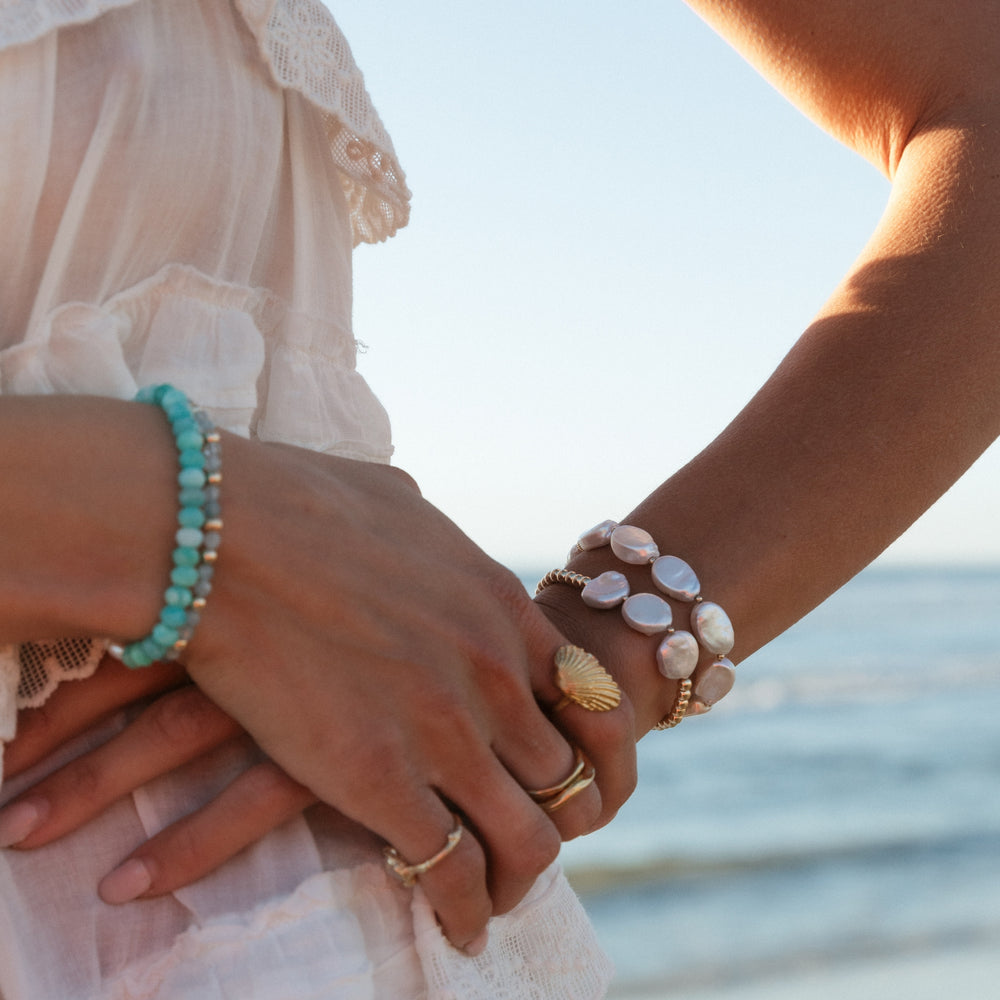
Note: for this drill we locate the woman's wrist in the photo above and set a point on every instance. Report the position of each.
(628, 656)
(88, 491)
(668, 638)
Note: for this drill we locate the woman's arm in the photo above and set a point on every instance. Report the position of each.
(894, 390)
(373, 652)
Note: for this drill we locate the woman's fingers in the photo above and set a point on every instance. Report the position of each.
(258, 801)
(75, 707)
(610, 747)
(175, 729)
(607, 738)
(455, 879)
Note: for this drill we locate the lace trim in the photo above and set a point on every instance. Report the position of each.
(23, 21)
(31, 671)
(545, 949)
(45, 665)
(307, 52)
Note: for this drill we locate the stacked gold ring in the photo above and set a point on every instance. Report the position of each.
(553, 798)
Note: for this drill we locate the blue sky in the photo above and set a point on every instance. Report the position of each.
(618, 230)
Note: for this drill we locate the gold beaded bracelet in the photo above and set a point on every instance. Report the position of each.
(678, 653)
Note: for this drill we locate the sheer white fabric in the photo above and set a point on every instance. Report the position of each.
(305, 51)
(240, 294)
(82, 345)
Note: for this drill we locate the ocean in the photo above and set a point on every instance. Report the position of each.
(832, 829)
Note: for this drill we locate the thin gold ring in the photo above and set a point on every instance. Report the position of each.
(576, 786)
(542, 794)
(407, 873)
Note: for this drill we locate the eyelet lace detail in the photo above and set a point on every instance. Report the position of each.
(307, 52)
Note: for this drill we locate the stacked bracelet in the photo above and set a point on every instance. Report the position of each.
(199, 524)
(678, 653)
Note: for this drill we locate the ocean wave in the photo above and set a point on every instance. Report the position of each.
(749, 972)
(769, 690)
(610, 877)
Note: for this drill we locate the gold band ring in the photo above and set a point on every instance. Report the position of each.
(584, 681)
(407, 873)
(576, 786)
(543, 794)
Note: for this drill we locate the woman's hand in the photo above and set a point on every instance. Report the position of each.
(626, 654)
(178, 726)
(391, 668)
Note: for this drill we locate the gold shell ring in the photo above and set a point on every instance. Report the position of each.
(584, 681)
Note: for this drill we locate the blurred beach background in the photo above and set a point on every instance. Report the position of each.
(831, 829)
(618, 230)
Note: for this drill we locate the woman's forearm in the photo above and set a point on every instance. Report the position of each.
(87, 500)
(884, 402)
(890, 394)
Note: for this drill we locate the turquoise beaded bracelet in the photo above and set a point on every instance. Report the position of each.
(199, 523)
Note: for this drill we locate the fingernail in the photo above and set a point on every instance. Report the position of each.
(126, 882)
(478, 944)
(20, 819)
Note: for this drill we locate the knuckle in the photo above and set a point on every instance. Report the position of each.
(374, 768)
(467, 878)
(584, 816)
(535, 848)
(617, 731)
(181, 851)
(39, 726)
(447, 719)
(508, 686)
(87, 779)
(507, 588)
(266, 785)
(183, 718)
(462, 883)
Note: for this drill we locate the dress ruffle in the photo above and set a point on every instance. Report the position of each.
(23, 21)
(545, 948)
(257, 366)
(306, 52)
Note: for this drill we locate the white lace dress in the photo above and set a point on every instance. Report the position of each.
(182, 183)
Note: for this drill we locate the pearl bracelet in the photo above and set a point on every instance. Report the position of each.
(199, 524)
(678, 653)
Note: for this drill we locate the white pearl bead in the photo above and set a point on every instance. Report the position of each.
(676, 578)
(677, 655)
(599, 535)
(647, 613)
(713, 628)
(714, 682)
(606, 591)
(633, 545)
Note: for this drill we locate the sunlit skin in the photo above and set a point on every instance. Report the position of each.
(886, 399)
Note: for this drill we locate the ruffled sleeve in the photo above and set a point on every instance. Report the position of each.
(23, 21)
(305, 51)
